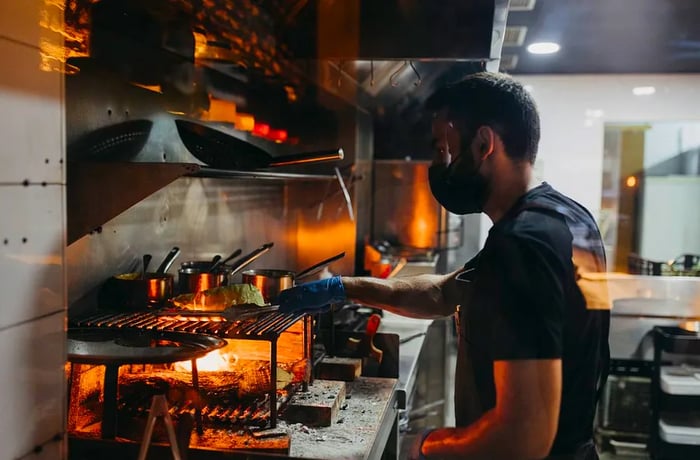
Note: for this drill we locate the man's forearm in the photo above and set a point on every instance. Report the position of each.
(422, 296)
(488, 439)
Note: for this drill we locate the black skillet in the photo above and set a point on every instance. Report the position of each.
(219, 150)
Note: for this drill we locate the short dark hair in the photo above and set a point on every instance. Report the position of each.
(495, 100)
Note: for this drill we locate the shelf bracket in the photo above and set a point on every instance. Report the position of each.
(98, 192)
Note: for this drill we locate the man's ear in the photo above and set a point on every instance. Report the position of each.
(486, 141)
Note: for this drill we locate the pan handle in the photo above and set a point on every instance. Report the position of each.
(318, 267)
(220, 262)
(311, 157)
(168, 261)
(246, 260)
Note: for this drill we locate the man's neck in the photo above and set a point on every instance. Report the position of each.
(513, 183)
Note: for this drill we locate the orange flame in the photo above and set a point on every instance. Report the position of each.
(216, 361)
(423, 228)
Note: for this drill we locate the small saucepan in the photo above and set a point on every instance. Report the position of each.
(139, 290)
(271, 282)
(199, 275)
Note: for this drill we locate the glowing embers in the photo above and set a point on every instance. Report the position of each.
(238, 395)
(86, 399)
(218, 399)
(243, 385)
(214, 361)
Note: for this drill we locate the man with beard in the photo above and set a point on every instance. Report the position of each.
(532, 348)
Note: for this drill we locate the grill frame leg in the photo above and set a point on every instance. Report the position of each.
(109, 407)
(198, 406)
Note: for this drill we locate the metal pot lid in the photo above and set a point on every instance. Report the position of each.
(117, 347)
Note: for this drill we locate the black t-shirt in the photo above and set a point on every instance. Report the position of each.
(522, 301)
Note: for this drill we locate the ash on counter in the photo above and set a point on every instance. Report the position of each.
(353, 432)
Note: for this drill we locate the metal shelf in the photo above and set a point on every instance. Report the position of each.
(100, 191)
(258, 175)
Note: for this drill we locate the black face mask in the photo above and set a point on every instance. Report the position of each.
(459, 193)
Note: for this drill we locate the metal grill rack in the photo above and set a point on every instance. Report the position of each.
(267, 327)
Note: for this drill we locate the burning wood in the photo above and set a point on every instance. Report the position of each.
(238, 396)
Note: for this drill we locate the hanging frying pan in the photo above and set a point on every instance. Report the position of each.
(120, 141)
(222, 151)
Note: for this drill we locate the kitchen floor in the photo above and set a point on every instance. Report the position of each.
(449, 416)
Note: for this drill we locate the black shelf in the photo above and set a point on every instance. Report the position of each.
(679, 403)
(631, 368)
(669, 451)
(678, 341)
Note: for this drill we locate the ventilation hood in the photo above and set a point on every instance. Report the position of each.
(384, 56)
(390, 54)
(453, 30)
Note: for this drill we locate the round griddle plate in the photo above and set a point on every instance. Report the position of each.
(113, 346)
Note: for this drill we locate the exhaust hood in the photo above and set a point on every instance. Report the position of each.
(389, 56)
(451, 30)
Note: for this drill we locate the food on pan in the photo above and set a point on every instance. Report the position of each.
(220, 298)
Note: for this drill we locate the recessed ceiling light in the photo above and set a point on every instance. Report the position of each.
(643, 90)
(543, 48)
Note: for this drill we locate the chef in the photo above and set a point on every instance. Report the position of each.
(532, 350)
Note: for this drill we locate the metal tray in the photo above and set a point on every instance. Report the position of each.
(110, 346)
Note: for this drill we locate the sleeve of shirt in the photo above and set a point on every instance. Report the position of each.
(525, 281)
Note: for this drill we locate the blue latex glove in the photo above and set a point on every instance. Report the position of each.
(313, 297)
(416, 450)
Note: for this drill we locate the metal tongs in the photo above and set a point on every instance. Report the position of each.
(234, 313)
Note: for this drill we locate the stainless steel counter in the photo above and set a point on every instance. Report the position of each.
(411, 334)
(364, 428)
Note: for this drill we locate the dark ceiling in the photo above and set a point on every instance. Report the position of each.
(608, 36)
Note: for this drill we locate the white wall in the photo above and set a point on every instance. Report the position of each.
(666, 140)
(32, 285)
(661, 142)
(671, 219)
(573, 109)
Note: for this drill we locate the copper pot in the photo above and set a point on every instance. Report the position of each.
(136, 291)
(194, 276)
(272, 282)
(269, 282)
(140, 290)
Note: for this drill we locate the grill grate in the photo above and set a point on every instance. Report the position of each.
(266, 327)
(252, 415)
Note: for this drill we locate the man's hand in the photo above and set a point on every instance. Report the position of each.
(416, 450)
(312, 297)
